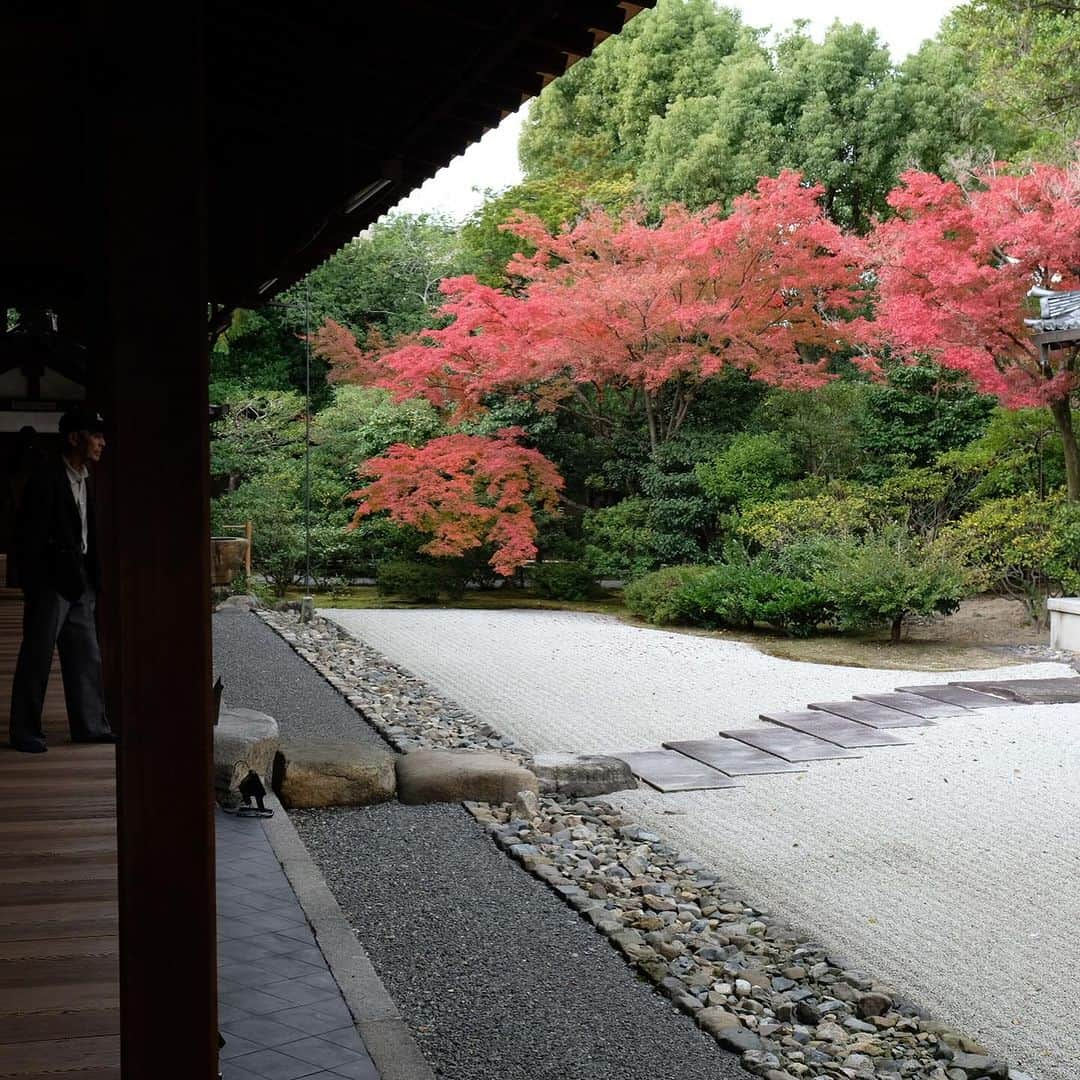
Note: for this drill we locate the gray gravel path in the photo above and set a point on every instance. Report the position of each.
(261, 672)
(496, 976)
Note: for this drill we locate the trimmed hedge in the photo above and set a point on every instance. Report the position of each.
(563, 580)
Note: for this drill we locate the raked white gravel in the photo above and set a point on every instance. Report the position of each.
(949, 867)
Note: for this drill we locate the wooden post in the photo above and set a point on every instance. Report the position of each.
(147, 137)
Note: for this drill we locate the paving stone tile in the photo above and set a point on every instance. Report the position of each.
(245, 950)
(256, 1002)
(360, 1070)
(289, 967)
(667, 770)
(834, 729)
(231, 1071)
(958, 695)
(272, 1065)
(789, 744)
(914, 704)
(866, 712)
(318, 1051)
(348, 1037)
(321, 980)
(310, 954)
(265, 1032)
(235, 1046)
(1060, 691)
(227, 1014)
(733, 757)
(310, 1019)
(298, 992)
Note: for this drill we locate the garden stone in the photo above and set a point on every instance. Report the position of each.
(582, 775)
(432, 776)
(244, 740)
(333, 773)
(716, 1019)
(977, 1066)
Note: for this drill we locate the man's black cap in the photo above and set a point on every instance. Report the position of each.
(80, 419)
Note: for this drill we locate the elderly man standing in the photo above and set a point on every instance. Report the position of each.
(60, 577)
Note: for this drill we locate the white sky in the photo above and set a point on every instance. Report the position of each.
(492, 162)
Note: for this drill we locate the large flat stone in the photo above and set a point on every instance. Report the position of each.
(243, 740)
(581, 775)
(1062, 691)
(433, 776)
(866, 712)
(913, 704)
(667, 770)
(733, 757)
(957, 695)
(789, 744)
(834, 729)
(315, 773)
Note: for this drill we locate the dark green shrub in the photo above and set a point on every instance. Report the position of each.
(417, 582)
(563, 580)
(740, 594)
(655, 597)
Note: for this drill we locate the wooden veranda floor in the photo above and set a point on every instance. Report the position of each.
(59, 979)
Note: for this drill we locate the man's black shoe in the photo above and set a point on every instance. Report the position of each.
(30, 747)
(108, 737)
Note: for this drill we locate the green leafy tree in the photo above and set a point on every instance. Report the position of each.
(886, 578)
(920, 411)
(594, 119)
(1025, 547)
(747, 471)
(1026, 54)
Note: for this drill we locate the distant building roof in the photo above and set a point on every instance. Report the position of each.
(1058, 311)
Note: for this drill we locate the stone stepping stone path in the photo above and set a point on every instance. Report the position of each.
(668, 771)
(952, 694)
(1031, 691)
(789, 744)
(913, 704)
(833, 729)
(871, 714)
(732, 757)
(829, 729)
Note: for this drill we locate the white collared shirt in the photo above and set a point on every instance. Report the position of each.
(77, 479)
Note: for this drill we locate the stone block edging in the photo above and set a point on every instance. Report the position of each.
(385, 1034)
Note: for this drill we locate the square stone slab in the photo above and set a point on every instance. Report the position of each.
(913, 704)
(866, 712)
(789, 744)
(1061, 691)
(957, 695)
(669, 771)
(733, 757)
(834, 729)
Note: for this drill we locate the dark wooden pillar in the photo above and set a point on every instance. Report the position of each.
(152, 378)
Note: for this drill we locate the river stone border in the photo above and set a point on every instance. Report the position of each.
(762, 990)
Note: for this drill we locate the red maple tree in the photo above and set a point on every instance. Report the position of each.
(617, 314)
(465, 491)
(954, 267)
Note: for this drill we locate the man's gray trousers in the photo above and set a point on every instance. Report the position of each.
(51, 621)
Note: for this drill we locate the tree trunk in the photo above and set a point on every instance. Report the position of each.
(897, 627)
(1062, 412)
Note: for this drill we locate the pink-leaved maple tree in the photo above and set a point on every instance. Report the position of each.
(954, 267)
(618, 318)
(465, 491)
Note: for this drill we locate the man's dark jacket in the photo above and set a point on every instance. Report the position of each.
(49, 535)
